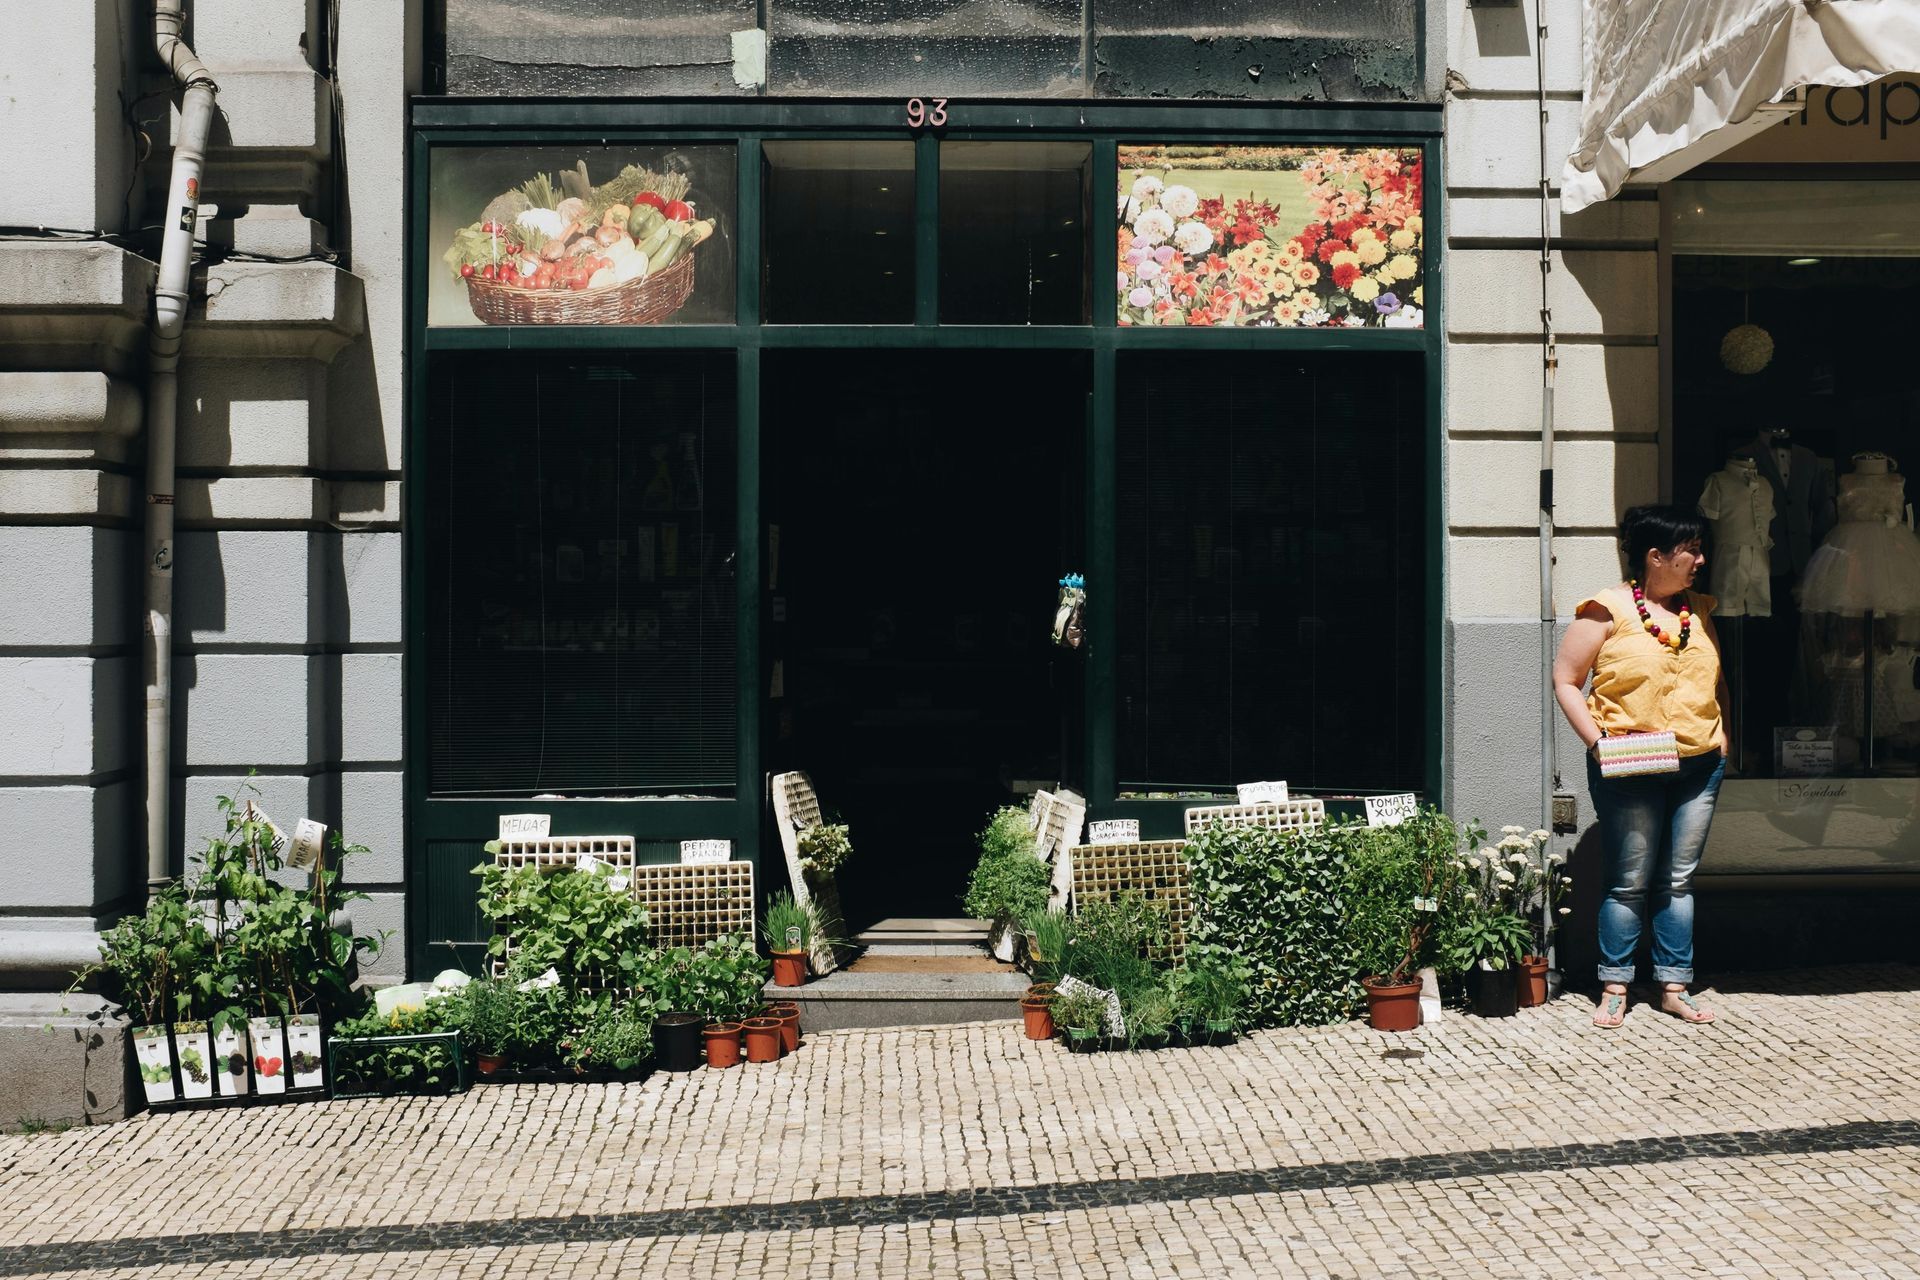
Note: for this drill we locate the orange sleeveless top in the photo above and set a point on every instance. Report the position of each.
(1641, 685)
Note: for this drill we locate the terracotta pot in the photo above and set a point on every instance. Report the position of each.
(789, 1015)
(789, 968)
(763, 1039)
(1040, 989)
(723, 1044)
(1392, 1006)
(489, 1062)
(1038, 1013)
(1531, 979)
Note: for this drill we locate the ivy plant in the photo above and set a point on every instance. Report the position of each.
(584, 925)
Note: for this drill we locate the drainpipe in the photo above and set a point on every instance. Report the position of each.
(1549, 361)
(179, 216)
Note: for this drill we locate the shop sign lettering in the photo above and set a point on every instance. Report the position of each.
(1391, 811)
(694, 853)
(525, 826)
(1888, 104)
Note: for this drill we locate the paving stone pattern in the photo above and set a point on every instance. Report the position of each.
(1785, 1141)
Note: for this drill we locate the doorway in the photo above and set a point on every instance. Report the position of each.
(920, 509)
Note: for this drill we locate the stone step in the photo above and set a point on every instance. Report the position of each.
(909, 935)
(846, 999)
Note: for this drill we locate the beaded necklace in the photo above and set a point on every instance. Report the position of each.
(1678, 642)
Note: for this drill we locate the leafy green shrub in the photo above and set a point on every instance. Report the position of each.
(1008, 831)
(723, 980)
(1400, 891)
(421, 1066)
(1278, 901)
(1111, 944)
(1211, 985)
(1079, 1012)
(824, 847)
(616, 1039)
(490, 1014)
(584, 925)
(1006, 887)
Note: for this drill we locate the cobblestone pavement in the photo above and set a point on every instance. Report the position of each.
(1785, 1141)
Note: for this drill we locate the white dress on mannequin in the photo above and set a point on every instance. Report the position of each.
(1871, 560)
(1739, 503)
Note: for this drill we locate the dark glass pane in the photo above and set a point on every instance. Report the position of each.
(1272, 593)
(1013, 232)
(839, 233)
(875, 48)
(581, 606)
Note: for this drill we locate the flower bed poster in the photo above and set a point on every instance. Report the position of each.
(1274, 237)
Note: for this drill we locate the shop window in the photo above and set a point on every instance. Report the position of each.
(582, 235)
(1013, 232)
(839, 233)
(1794, 433)
(580, 543)
(1285, 237)
(1273, 603)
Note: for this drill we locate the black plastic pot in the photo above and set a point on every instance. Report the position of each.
(1493, 992)
(676, 1041)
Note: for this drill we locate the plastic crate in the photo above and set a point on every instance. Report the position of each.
(1283, 815)
(1156, 870)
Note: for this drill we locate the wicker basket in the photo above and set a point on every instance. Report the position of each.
(647, 300)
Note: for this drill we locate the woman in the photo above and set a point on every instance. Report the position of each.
(1649, 647)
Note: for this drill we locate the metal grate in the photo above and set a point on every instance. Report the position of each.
(1286, 815)
(687, 906)
(1156, 870)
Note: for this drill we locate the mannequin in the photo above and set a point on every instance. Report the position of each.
(1870, 563)
(1739, 502)
(1803, 510)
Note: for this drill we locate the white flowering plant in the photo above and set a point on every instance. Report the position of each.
(1504, 887)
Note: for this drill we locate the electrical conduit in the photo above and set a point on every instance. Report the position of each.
(179, 217)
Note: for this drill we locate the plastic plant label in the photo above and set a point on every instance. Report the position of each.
(303, 1051)
(526, 826)
(1391, 811)
(1115, 831)
(1426, 904)
(1070, 985)
(155, 1055)
(269, 1043)
(1262, 792)
(697, 853)
(230, 1061)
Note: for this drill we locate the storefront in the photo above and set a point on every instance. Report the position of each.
(772, 447)
(1794, 420)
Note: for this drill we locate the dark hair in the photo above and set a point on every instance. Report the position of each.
(1655, 527)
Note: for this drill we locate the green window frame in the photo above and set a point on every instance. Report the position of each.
(443, 831)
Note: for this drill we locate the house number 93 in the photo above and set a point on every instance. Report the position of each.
(923, 112)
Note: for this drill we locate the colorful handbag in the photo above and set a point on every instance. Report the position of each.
(1631, 755)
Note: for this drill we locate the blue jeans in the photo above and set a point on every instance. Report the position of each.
(1652, 830)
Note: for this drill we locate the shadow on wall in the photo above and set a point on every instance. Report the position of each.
(1502, 32)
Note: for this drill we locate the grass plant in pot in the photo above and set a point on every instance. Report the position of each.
(1209, 993)
(1009, 883)
(789, 932)
(1400, 890)
(492, 1010)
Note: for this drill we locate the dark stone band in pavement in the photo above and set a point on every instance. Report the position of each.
(139, 1252)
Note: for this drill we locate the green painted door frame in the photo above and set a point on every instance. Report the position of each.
(442, 833)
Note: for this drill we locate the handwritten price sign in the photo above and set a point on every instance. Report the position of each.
(1390, 811)
(701, 852)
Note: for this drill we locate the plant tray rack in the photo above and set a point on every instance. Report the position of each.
(1284, 815)
(689, 905)
(1154, 869)
(796, 806)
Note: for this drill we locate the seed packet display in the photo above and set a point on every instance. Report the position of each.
(303, 1052)
(230, 1061)
(193, 1050)
(154, 1054)
(269, 1040)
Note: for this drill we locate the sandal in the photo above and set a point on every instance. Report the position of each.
(1612, 1010)
(1690, 1010)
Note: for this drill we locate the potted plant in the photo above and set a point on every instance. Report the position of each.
(762, 1037)
(722, 1041)
(615, 1038)
(1489, 932)
(1083, 1017)
(1049, 947)
(193, 1050)
(411, 1049)
(1009, 882)
(677, 1040)
(135, 971)
(1208, 994)
(722, 981)
(789, 934)
(1148, 1013)
(1542, 886)
(230, 1055)
(491, 1009)
(1036, 1012)
(1398, 880)
(824, 848)
(788, 1013)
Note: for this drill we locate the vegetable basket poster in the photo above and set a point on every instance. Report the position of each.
(1278, 237)
(582, 235)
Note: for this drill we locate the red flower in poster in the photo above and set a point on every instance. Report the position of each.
(1328, 248)
(1215, 264)
(1310, 236)
(1246, 231)
(1251, 289)
(1211, 208)
(1199, 316)
(1345, 274)
(1181, 284)
(1343, 229)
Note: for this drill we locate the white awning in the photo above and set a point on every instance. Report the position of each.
(1664, 74)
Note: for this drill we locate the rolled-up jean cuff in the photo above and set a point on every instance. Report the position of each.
(1667, 973)
(1612, 973)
